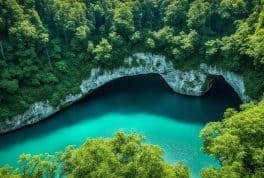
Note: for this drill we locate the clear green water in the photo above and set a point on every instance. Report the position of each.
(144, 104)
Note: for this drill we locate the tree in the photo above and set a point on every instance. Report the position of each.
(237, 142)
(8, 172)
(189, 42)
(175, 13)
(103, 53)
(123, 21)
(255, 47)
(67, 15)
(124, 155)
(9, 86)
(164, 36)
(81, 33)
(61, 66)
(230, 9)
(213, 48)
(184, 45)
(147, 7)
(37, 166)
(198, 14)
(55, 49)
(150, 43)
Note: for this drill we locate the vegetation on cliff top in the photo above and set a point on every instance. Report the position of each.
(48, 46)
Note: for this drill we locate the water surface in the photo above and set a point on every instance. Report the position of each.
(144, 104)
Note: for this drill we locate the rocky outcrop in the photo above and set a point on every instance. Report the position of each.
(188, 83)
(195, 83)
(35, 113)
(234, 80)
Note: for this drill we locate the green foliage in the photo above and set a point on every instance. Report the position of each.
(37, 166)
(10, 86)
(121, 156)
(175, 13)
(237, 142)
(47, 47)
(198, 14)
(103, 52)
(67, 15)
(7, 172)
(150, 43)
(49, 78)
(213, 48)
(256, 40)
(230, 9)
(61, 66)
(52, 44)
(123, 20)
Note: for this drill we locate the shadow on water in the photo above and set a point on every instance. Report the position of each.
(137, 94)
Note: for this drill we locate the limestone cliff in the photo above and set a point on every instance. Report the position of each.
(195, 83)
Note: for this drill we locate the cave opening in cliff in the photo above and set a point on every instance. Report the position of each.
(142, 103)
(221, 87)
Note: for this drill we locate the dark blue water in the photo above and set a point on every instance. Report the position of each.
(144, 104)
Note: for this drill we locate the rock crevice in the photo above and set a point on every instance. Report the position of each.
(194, 83)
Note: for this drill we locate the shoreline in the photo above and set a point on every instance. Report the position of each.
(192, 83)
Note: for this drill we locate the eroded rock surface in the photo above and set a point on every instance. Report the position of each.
(194, 83)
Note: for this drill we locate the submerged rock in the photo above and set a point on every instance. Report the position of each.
(194, 83)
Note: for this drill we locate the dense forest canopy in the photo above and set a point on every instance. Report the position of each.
(237, 142)
(47, 47)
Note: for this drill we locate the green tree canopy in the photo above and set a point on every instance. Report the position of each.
(123, 20)
(36, 36)
(175, 13)
(103, 52)
(197, 14)
(237, 142)
(124, 155)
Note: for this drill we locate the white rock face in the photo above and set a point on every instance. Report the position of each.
(188, 83)
(234, 80)
(35, 113)
(195, 83)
